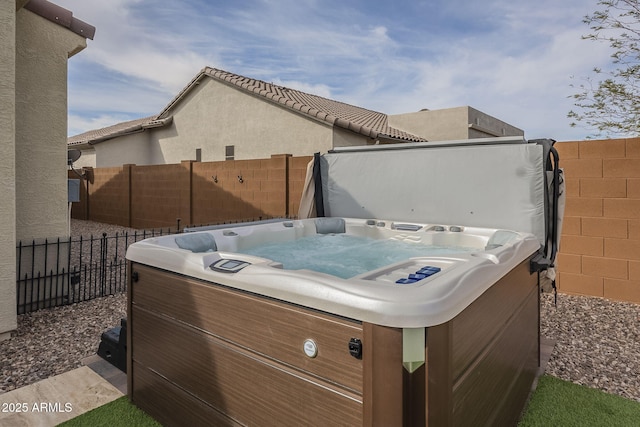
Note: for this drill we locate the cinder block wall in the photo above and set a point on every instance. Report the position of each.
(600, 244)
(295, 181)
(240, 190)
(156, 196)
(159, 194)
(107, 196)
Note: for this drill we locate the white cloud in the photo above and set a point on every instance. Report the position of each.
(512, 59)
(128, 43)
(79, 124)
(521, 77)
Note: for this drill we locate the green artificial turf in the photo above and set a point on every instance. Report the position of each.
(555, 403)
(562, 403)
(119, 413)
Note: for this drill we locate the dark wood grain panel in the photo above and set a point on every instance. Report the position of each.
(247, 387)
(129, 329)
(496, 385)
(488, 315)
(171, 405)
(383, 376)
(268, 327)
(439, 373)
(233, 357)
(414, 397)
(481, 364)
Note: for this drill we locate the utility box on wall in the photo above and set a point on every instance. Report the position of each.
(73, 190)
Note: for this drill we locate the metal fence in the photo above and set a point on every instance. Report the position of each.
(63, 271)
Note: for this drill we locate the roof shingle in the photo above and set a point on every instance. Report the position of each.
(357, 119)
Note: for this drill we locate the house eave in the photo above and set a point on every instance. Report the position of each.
(59, 15)
(151, 124)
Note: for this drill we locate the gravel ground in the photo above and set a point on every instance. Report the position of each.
(52, 341)
(597, 340)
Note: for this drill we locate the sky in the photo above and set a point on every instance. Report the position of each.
(512, 59)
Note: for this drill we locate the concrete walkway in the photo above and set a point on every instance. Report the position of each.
(54, 400)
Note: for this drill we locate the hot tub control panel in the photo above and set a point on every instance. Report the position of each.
(228, 265)
(423, 273)
(417, 271)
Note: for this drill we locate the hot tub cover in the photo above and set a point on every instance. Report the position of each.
(481, 186)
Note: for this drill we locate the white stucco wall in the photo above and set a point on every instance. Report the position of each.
(7, 170)
(42, 51)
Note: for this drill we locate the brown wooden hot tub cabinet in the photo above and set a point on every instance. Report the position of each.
(205, 354)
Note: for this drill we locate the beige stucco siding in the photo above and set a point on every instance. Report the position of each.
(7, 170)
(136, 148)
(42, 51)
(87, 159)
(437, 125)
(215, 115)
(452, 124)
(212, 116)
(346, 138)
(481, 123)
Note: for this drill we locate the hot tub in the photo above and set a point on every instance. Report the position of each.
(225, 328)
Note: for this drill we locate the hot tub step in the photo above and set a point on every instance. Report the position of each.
(113, 346)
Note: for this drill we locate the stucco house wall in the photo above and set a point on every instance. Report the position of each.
(482, 125)
(7, 169)
(134, 149)
(453, 123)
(88, 159)
(344, 138)
(221, 115)
(214, 115)
(42, 51)
(36, 39)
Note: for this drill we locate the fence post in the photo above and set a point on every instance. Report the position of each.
(186, 193)
(103, 264)
(85, 187)
(127, 170)
(285, 159)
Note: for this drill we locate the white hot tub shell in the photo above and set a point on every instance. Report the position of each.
(373, 296)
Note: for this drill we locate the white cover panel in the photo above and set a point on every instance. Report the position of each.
(495, 186)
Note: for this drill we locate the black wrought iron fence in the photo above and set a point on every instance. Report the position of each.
(52, 273)
(58, 272)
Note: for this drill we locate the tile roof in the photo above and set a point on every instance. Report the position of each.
(366, 122)
(360, 120)
(124, 128)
